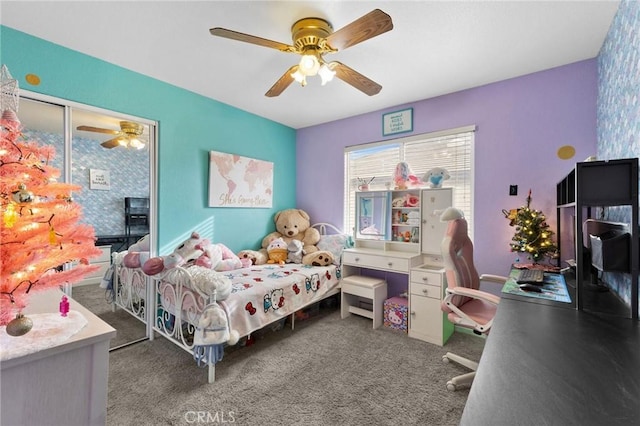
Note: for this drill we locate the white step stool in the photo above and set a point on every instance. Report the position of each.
(355, 287)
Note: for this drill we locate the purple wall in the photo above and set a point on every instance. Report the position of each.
(520, 122)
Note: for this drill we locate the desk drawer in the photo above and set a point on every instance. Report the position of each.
(388, 263)
(425, 277)
(431, 291)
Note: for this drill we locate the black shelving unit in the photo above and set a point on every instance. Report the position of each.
(600, 184)
(136, 216)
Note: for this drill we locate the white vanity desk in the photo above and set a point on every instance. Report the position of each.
(400, 231)
(65, 384)
(426, 286)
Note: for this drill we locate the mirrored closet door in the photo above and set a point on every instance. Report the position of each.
(111, 156)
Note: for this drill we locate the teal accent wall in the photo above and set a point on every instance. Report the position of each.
(189, 126)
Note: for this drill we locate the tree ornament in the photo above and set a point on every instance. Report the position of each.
(10, 215)
(22, 195)
(19, 326)
(8, 91)
(64, 306)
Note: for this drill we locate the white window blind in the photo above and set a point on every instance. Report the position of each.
(452, 150)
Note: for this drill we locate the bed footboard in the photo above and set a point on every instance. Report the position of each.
(130, 292)
(178, 307)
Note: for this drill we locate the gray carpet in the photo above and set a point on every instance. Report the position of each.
(128, 329)
(327, 371)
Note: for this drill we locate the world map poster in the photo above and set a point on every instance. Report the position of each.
(236, 181)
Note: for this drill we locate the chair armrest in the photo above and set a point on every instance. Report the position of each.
(475, 294)
(494, 278)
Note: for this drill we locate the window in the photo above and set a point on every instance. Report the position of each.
(376, 162)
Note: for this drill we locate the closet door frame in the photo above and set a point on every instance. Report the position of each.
(68, 107)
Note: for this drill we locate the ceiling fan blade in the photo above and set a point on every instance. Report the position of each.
(111, 143)
(354, 78)
(235, 35)
(98, 130)
(282, 83)
(370, 25)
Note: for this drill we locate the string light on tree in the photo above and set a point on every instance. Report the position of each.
(533, 236)
(39, 229)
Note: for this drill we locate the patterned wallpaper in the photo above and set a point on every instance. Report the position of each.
(128, 172)
(619, 107)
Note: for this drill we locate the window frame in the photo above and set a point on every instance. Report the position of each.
(386, 182)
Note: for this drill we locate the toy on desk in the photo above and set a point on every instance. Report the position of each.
(64, 306)
(436, 176)
(403, 177)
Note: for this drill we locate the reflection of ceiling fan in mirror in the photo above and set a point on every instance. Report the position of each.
(128, 136)
(312, 39)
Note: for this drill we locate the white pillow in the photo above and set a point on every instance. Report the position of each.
(335, 244)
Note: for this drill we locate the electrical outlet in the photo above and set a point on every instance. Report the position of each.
(513, 189)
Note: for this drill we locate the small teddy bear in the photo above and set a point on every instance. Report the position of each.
(295, 252)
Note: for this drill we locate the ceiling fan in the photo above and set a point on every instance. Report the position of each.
(313, 38)
(128, 135)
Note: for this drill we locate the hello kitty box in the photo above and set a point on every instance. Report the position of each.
(396, 311)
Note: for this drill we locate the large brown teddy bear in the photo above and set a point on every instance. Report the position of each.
(292, 224)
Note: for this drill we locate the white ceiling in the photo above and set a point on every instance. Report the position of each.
(435, 48)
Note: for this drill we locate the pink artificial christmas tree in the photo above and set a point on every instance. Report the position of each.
(39, 225)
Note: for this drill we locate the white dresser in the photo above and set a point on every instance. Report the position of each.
(427, 285)
(65, 384)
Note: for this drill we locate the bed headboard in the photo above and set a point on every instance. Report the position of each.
(332, 239)
(323, 227)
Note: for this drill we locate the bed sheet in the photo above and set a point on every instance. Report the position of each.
(265, 293)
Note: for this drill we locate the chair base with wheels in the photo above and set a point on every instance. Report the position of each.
(463, 379)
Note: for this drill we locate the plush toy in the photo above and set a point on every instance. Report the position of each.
(318, 258)
(138, 253)
(277, 251)
(436, 176)
(404, 177)
(295, 252)
(195, 251)
(185, 254)
(294, 224)
(207, 280)
(221, 257)
(252, 257)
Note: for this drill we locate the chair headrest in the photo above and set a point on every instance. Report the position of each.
(451, 213)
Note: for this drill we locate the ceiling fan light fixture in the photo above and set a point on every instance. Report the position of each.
(326, 73)
(309, 64)
(136, 143)
(299, 77)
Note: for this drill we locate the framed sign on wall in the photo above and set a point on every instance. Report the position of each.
(236, 181)
(99, 179)
(397, 122)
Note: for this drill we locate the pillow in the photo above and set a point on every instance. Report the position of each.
(335, 244)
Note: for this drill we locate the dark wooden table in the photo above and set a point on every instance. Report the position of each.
(549, 364)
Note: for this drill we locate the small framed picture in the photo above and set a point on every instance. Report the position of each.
(99, 179)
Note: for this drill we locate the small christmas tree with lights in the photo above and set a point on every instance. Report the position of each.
(533, 235)
(39, 225)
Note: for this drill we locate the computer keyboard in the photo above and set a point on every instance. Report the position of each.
(533, 276)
